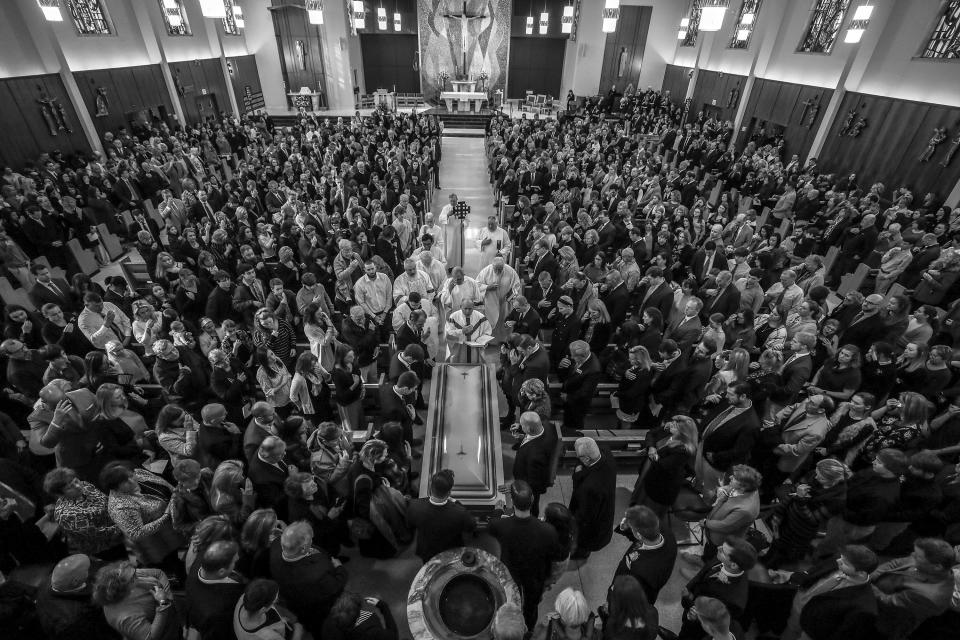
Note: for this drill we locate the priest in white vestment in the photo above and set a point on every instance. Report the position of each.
(492, 241)
(457, 288)
(466, 325)
(498, 283)
(452, 232)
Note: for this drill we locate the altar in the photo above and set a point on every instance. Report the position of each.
(463, 434)
(465, 100)
(464, 85)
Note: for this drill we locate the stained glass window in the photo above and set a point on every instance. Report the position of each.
(944, 42)
(693, 29)
(825, 23)
(90, 17)
(746, 21)
(175, 18)
(230, 22)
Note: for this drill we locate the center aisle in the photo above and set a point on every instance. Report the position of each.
(463, 171)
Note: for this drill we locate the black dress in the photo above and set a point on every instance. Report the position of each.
(362, 483)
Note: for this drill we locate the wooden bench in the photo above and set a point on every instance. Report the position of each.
(622, 443)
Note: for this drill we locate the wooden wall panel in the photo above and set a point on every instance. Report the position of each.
(291, 26)
(780, 105)
(202, 88)
(24, 134)
(718, 94)
(129, 92)
(889, 148)
(536, 64)
(388, 62)
(245, 74)
(676, 79)
(623, 50)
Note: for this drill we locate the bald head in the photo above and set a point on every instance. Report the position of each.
(530, 423)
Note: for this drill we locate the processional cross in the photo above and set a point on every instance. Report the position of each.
(464, 19)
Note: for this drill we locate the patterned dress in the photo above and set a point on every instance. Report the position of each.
(85, 523)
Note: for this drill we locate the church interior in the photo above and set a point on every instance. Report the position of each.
(480, 319)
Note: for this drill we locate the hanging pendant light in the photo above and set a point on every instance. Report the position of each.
(359, 15)
(611, 13)
(314, 11)
(858, 26)
(529, 29)
(213, 9)
(396, 19)
(544, 23)
(51, 10)
(238, 17)
(684, 27)
(712, 13)
(566, 22)
(381, 19)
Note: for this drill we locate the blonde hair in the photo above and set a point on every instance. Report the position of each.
(572, 607)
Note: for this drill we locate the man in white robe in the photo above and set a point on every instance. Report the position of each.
(492, 241)
(457, 288)
(412, 279)
(452, 232)
(498, 284)
(466, 325)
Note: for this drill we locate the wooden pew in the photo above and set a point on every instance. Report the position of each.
(853, 281)
(9, 295)
(830, 259)
(896, 289)
(622, 443)
(84, 258)
(764, 216)
(110, 242)
(153, 214)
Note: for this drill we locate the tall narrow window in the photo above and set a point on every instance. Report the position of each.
(944, 42)
(746, 21)
(230, 21)
(825, 22)
(693, 28)
(175, 18)
(90, 17)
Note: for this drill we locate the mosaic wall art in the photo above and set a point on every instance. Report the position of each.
(445, 54)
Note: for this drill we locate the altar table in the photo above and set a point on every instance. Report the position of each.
(461, 86)
(466, 100)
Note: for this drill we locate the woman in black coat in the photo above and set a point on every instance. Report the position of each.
(671, 450)
(634, 389)
(363, 480)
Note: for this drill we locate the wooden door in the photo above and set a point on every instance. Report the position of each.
(623, 52)
(388, 62)
(536, 64)
(298, 41)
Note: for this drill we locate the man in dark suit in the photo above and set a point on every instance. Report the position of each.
(535, 362)
(706, 260)
(669, 381)
(48, 290)
(867, 326)
(653, 292)
(566, 328)
(729, 434)
(440, 523)
(249, 294)
(652, 552)
(142, 223)
(127, 191)
(608, 235)
(580, 373)
(926, 251)
(544, 261)
(686, 329)
(44, 232)
(538, 444)
(719, 296)
(267, 474)
(796, 370)
(836, 599)
(220, 301)
(397, 404)
(593, 501)
(523, 319)
(725, 579)
(411, 331)
(528, 548)
(543, 297)
(616, 298)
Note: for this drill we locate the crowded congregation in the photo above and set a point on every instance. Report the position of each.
(639, 363)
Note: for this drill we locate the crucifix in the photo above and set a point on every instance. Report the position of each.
(464, 19)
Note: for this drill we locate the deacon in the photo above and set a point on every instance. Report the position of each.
(498, 284)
